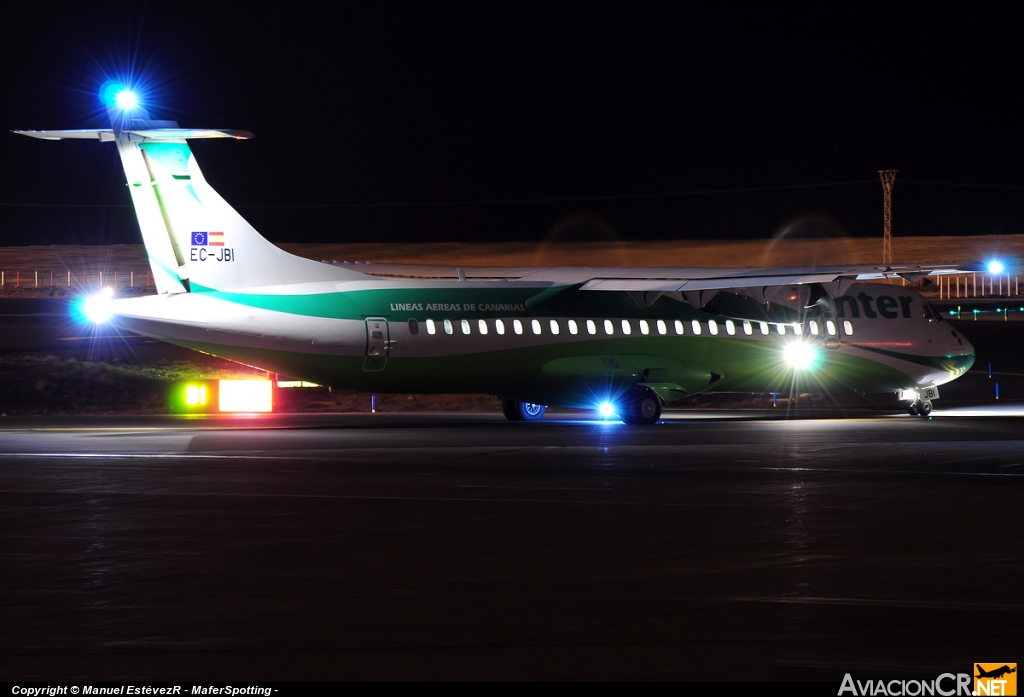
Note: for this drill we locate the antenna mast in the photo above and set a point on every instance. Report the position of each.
(888, 177)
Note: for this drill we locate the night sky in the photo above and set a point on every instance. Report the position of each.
(438, 122)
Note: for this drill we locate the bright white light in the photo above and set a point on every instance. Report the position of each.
(995, 267)
(606, 409)
(800, 355)
(99, 308)
(126, 99)
(245, 395)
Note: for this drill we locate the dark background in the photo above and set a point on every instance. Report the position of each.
(474, 112)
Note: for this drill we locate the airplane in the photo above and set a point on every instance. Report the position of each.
(995, 672)
(626, 341)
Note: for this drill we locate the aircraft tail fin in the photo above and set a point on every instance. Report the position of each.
(194, 239)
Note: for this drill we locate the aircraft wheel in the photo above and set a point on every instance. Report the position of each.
(913, 410)
(926, 407)
(510, 410)
(644, 409)
(528, 411)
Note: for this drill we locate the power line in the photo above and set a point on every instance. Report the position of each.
(968, 185)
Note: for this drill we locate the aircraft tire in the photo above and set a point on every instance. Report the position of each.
(926, 407)
(510, 409)
(643, 410)
(528, 411)
(913, 410)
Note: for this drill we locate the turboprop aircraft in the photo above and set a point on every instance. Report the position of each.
(624, 340)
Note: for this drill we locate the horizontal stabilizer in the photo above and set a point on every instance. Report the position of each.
(107, 134)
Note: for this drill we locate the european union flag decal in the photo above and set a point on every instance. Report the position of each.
(199, 239)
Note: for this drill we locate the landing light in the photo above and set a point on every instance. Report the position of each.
(98, 308)
(800, 355)
(606, 409)
(996, 267)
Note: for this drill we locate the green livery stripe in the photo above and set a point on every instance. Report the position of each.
(471, 303)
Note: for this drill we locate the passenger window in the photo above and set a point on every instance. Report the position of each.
(591, 327)
(848, 327)
(465, 326)
(644, 327)
(679, 326)
(609, 328)
(414, 327)
(517, 326)
(573, 329)
(482, 326)
(499, 326)
(830, 327)
(535, 324)
(431, 327)
(780, 328)
(448, 328)
(713, 327)
(626, 329)
(798, 329)
(748, 329)
(554, 326)
(730, 327)
(662, 329)
(814, 327)
(696, 326)
(764, 327)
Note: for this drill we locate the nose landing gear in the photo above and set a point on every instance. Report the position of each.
(922, 407)
(920, 399)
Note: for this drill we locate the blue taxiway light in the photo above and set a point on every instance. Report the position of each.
(995, 267)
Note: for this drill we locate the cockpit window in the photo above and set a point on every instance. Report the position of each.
(930, 313)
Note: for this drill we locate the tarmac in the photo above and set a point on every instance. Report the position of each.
(713, 546)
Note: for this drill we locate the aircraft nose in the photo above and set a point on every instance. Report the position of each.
(966, 351)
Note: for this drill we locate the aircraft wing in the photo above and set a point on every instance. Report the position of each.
(670, 279)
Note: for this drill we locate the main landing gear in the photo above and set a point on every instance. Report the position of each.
(643, 408)
(522, 411)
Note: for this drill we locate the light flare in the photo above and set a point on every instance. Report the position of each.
(99, 308)
(126, 100)
(801, 355)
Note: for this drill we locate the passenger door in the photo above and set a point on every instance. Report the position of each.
(378, 345)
